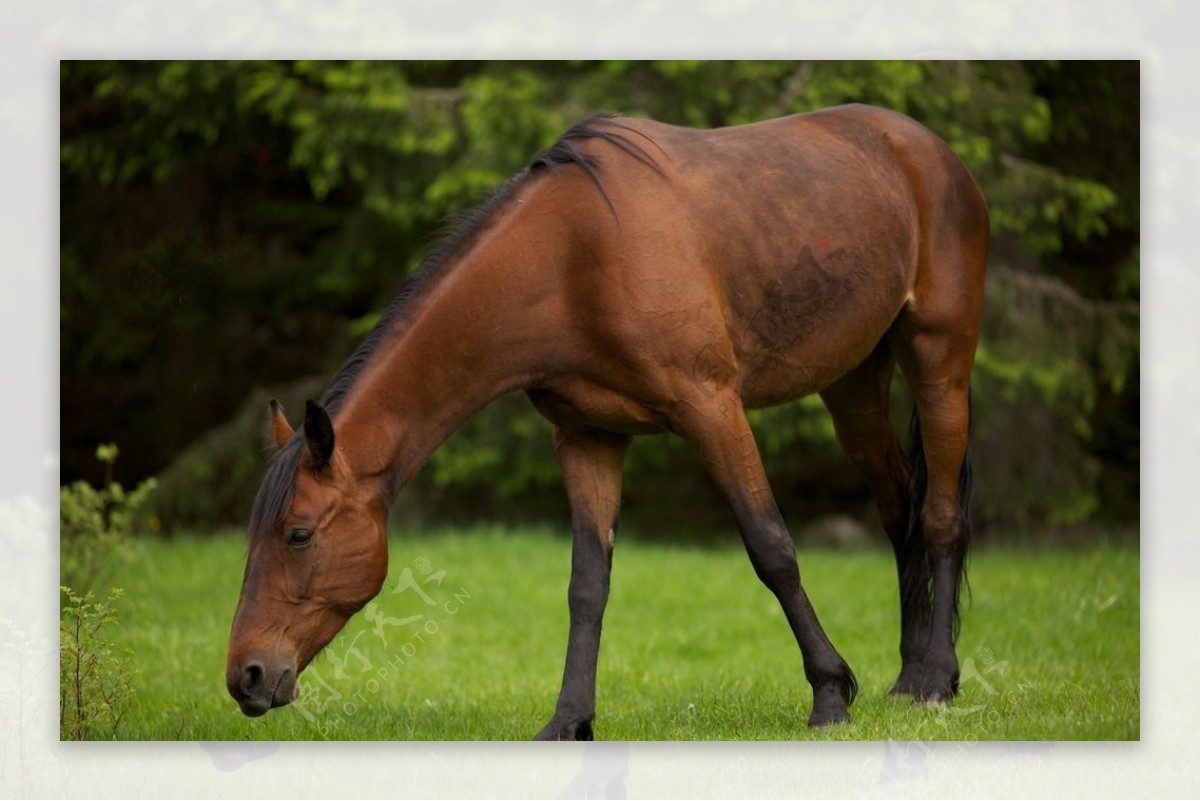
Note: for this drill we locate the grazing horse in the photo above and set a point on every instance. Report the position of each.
(639, 278)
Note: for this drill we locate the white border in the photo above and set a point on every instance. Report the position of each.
(34, 37)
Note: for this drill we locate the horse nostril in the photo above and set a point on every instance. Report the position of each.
(252, 678)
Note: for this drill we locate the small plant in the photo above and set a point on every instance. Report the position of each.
(94, 679)
(95, 525)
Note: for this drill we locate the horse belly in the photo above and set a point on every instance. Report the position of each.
(814, 321)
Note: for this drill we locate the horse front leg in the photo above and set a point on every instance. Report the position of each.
(591, 467)
(720, 433)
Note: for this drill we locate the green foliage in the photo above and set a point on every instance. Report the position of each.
(95, 684)
(95, 525)
(503, 449)
(1046, 207)
(1047, 359)
(95, 678)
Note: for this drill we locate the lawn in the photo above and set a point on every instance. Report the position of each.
(467, 638)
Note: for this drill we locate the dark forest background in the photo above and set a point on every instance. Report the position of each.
(230, 230)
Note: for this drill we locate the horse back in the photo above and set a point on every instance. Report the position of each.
(781, 250)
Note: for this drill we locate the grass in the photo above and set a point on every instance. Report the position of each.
(694, 647)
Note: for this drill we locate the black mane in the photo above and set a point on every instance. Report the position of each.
(598, 126)
(275, 493)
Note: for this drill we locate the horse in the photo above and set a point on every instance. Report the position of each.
(639, 278)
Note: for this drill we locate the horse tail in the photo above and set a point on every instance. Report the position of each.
(917, 576)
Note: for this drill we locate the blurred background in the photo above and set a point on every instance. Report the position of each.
(230, 230)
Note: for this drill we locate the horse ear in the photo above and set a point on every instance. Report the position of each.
(281, 429)
(318, 434)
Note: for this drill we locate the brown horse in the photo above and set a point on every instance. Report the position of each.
(640, 278)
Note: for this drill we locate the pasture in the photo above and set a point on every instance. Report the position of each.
(466, 642)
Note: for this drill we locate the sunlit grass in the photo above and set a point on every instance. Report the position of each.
(694, 646)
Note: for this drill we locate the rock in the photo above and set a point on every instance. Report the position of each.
(842, 532)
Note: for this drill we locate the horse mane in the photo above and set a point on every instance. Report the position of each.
(275, 493)
(602, 126)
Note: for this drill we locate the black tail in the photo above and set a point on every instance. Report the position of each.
(917, 577)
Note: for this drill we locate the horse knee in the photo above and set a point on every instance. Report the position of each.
(774, 563)
(944, 527)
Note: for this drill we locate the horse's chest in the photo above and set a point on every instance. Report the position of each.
(583, 405)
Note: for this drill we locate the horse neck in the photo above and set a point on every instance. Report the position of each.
(481, 331)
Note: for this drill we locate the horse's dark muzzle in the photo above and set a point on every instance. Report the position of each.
(256, 690)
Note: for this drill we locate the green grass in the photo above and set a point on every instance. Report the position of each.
(694, 647)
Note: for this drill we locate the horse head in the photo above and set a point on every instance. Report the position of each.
(318, 554)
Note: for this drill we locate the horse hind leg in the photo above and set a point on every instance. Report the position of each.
(934, 341)
(942, 522)
(858, 404)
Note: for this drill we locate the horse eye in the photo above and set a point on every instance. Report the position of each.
(299, 537)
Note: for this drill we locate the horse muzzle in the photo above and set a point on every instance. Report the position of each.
(259, 686)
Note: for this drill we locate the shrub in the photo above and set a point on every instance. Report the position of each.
(95, 684)
(95, 526)
(94, 679)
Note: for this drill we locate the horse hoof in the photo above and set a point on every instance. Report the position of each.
(932, 692)
(931, 701)
(906, 685)
(926, 683)
(827, 717)
(934, 697)
(554, 731)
